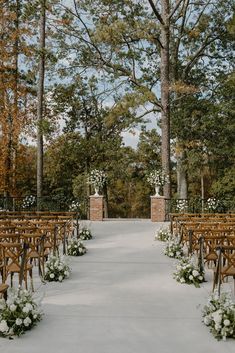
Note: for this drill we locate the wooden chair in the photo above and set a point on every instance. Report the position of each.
(3, 285)
(225, 265)
(13, 254)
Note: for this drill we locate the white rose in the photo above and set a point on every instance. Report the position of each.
(25, 310)
(207, 320)
(3, 326)
(226, 322)
(19, 321)
(12, 307)
(27, 321)
(191, 277)
(182, 280)
(217, 317)
(29, 306)
(195, 273)
(52, 275)
(200, 278)
(60, 278)
(171, 254)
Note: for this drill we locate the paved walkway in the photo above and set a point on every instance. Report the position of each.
(121, 298)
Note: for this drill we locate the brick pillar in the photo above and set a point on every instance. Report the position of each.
(96, 208)
(158, 212)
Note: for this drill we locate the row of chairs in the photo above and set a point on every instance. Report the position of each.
(212, 238)
(26, 243)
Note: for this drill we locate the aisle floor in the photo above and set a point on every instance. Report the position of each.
(121, 298)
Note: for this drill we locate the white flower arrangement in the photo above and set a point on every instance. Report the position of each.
(219, 315)
(182, 205)
(163, 234)
(76, 247)
(97, 178)
(85, 234)
(211, 204)
(75, 205)
(28, 201)
(19, 313)
(173, 249)
(158, 178)
(56, 269)
(187, 271)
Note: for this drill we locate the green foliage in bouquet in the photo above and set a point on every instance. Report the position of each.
(187, 271)
(19, 313)
(57, 269)
(85, 234)
(76, 247)
(219, 315)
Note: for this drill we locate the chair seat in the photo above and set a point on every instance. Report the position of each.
(228, 271)
(3, 287)
(16, 268)
(211, 257)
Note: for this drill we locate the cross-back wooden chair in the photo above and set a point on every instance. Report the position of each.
(13, 254)
(3, 285)
(36, 250)
(225, 265)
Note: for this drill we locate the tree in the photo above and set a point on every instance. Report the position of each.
(41, 75)
(139, 47)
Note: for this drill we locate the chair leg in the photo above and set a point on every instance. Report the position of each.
(31, 280)
(12, 279)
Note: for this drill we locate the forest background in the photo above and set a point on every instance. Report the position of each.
(78, 76)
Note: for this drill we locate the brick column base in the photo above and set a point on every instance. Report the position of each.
(96, 208)
(158, 212)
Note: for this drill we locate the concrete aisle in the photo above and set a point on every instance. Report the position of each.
(121, 298)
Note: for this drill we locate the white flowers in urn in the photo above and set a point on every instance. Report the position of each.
(97, 179)
(157, 178)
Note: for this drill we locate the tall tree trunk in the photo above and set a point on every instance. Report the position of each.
(165, 93)
(40, 101)
(16, 110)
(182, 182)
(105, 190)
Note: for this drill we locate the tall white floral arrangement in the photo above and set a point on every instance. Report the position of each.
(97, 178)
(158, 178)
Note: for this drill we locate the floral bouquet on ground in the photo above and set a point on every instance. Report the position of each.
(85, 234)
(74, 206)
(163, 234)
(19, 313)
(28, 201)
(173, 249)
(187, 271)
(219, 315)
(211, 204)
(57, 269)
(181, 206)
(76, 247)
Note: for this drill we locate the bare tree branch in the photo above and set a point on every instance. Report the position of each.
(199, 53)
(159, 17)
(179, 2)
(200, 15)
